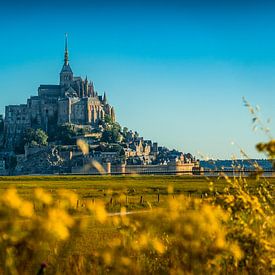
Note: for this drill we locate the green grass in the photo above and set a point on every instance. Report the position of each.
(98, 187)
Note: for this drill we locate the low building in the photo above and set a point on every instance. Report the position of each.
(105, 157)
(89, 138)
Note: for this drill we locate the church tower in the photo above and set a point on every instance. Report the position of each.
(66, 74)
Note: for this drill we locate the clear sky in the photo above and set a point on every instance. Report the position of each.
(175, 71)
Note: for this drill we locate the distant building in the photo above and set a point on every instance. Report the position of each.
(74, 100)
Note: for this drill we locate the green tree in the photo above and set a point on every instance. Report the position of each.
(111, 135)
(125, 130)
(66, 133)
(108, 119)
(32, 137)
(41, 138)
(35, 137)
(112, 132)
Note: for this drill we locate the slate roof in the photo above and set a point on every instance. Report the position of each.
(71, 90)
(66, 68)
(49, 86)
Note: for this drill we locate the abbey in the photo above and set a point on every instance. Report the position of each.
(73, 101)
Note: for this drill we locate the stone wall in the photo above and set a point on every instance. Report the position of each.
(17, 119)
(29, 151)
(63, 111)
(177, 168)
(49, 91)
(46, 161)
(79, 112)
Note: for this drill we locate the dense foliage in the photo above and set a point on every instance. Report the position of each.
(66, 134)
(112, 131)
(32, 137)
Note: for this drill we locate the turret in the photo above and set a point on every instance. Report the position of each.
(104, 98)
(113, 116)
(82, 88)
(86, 87)
(91, 89)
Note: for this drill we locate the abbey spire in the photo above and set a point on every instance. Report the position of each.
(66, 74)
(66, 55)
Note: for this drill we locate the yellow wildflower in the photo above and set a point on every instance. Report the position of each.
(125, 261)
(68, 195)
(158, 246)
(26, 209)
(41, 195)
(99, 210)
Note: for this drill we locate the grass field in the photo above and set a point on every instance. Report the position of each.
(132, 192)
(98, 186)
(116, 191)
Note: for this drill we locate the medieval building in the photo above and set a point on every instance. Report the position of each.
(74, 100)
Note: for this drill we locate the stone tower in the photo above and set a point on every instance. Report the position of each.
(66, 74)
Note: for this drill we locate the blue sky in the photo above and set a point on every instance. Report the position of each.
(175, 71)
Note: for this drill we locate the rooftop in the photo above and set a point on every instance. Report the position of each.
(49, 86)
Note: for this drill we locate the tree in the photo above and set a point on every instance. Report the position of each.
(108, 119)
(112, 132)
(111, 135)
(66, 133)
(32, 137)
(125, 131)
(35, 137)
(41, 138)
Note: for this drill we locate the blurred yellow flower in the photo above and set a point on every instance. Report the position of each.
(12, 200)
(84, 147)
(26, 209)
(41, 195)
(98, 209)
(125, 261)
(158, 246)
(170, 189)
(68, 195)
(59, 222)
(107, 257)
